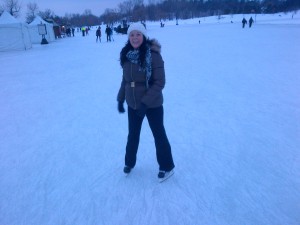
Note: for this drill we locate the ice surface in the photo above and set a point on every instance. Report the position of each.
(232, 115)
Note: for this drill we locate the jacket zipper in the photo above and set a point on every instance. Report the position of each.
(133, 88)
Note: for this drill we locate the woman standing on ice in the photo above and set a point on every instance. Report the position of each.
(98, 34)
(141, 87)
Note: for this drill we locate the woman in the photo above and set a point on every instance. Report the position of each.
(141, 87)
(98, 34)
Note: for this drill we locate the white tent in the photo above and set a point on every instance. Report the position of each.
(34, 32)
(14, 35)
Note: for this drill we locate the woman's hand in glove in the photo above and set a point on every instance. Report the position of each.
(121, 107)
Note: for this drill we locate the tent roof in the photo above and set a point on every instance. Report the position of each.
(51, 21)
(38, 20)
(6, 18)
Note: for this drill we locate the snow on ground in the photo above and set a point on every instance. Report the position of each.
(232, 114)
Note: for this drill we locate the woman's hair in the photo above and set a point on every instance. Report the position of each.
(128, 47)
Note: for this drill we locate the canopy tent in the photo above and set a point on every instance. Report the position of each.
(34, 32)
(14, 35)
(56, 28)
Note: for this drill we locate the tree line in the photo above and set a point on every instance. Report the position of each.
(155, 10)
(186, 9)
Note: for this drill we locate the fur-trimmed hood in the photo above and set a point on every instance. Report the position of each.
(155, 45)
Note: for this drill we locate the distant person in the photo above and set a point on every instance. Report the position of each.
(83, 31)
(250, 21)
(244, 22)
(108, 32)
(142, 83)
(73, 32)
(68, 32)
(98, 34)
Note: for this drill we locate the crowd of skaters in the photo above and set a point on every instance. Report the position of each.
(108, 32)
(85, 31)
(70, 31)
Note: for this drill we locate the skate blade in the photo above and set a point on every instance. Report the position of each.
(160, 180)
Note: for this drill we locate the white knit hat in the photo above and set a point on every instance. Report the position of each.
(138, 27)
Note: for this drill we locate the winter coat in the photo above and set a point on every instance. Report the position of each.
(251, 20)
(133, 86)
(98, 32)
(108, 31)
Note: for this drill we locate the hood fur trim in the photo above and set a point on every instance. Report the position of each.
(155, 45)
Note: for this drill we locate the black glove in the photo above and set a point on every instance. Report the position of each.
(141, 112)
(121, 107)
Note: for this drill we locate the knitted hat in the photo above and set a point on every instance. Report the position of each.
(138, 27)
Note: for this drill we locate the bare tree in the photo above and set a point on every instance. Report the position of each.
(87, 12)
(110, 16)
(48, 13)
(139, 13)
(126, 8)
(138, 2)
(32, 11)
(12, 6)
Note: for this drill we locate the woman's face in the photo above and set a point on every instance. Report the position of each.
(136, 39)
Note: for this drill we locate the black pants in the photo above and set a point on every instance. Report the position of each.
(163, 148)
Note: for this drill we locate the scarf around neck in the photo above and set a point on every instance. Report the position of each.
(134, 57)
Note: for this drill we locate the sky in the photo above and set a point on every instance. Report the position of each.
(231, 113)
(74, 6)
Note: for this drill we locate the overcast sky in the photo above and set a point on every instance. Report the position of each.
(60, 7)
